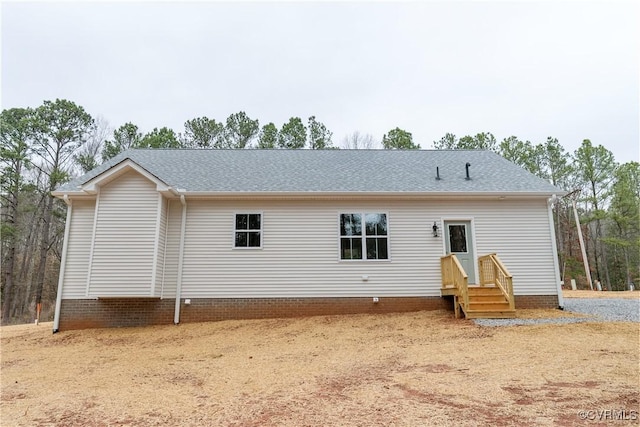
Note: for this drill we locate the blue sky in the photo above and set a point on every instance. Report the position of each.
(530, 69)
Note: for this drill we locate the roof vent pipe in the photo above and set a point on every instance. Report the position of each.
(438, 173)
(467, 168)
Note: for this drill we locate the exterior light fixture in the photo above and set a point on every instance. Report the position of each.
(435, 229)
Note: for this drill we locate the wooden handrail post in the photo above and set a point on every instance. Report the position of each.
(453, 274)
(492, 270)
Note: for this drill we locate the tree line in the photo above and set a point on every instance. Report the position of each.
(239, 131)
(46, 146)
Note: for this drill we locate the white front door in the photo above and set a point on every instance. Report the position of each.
(459, 241)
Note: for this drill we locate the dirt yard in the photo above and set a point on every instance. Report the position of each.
(412, 369)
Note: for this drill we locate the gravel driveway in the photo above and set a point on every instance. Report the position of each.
(599, 310)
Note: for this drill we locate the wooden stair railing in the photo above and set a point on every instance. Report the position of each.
(453, 275)
(493, 272)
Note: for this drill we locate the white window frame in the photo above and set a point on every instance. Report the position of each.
(233, 241)
(363, 236)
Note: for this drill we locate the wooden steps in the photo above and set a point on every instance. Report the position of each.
(488, 302)
(485, 302)
(491, 298)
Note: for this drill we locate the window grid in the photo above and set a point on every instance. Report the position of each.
(364, 236)
(248, 231)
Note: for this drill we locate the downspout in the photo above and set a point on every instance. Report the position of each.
(554, 249)
(63, 264)
(183, 227)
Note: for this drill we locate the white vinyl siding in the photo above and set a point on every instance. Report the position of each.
(172, 249)
(161, 233)
(81, 228)
(519, 233)
(299, 257)
(124, 239)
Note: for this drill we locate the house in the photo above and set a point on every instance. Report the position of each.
(162, 236)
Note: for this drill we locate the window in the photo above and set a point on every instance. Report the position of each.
(458, 238)
(248, 230)
(363, 236)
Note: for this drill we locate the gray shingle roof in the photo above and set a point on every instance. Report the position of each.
(330, 171)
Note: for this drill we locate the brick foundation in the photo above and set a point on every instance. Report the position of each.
(262, 308)
(119, 312)
(536, 301)
(115, 312)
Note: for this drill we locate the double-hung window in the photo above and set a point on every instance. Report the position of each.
(248, 230)
(364, 236)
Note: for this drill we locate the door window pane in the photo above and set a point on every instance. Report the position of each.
(458, 238)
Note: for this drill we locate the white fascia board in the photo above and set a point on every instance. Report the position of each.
(72, 194)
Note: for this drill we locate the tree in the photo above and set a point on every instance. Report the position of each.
(448, 142)
(203, 132)
(293, 134)
(481, 141)
(595, 167)
(398, 139)
(523, 154)
(28, 227)
(556, 163)
(624, 212)
(358, 141)
(240, 130)
(268, 137)
(556, 166)
(125, 137)
(15, 145)
(160, 138)
(88, 155)
(62, 127)
(319, 135)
